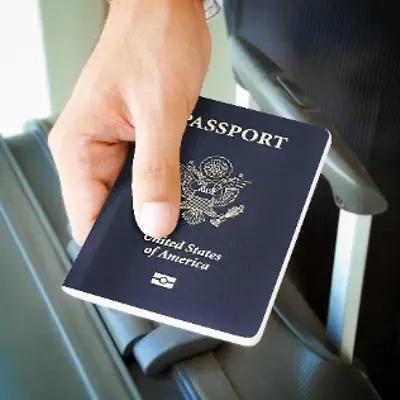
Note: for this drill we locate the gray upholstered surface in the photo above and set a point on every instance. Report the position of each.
(52, 344)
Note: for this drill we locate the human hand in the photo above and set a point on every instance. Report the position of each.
(140, 84)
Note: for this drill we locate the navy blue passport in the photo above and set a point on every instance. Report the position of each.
(247, 179)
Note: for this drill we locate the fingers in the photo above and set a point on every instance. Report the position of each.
(83, 202)
(155, 170)
(87, 169)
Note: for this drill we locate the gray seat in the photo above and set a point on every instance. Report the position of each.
(85, 352)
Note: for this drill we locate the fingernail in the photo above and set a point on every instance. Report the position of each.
(155, 218)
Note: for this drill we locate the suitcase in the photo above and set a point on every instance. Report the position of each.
(54, 346)
(345, 57)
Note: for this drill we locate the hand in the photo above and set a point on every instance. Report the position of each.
(140, 84)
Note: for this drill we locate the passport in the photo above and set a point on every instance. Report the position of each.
(247, 179)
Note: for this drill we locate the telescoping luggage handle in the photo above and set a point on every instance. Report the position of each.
(354, 192)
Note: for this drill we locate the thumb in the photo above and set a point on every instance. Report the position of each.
(155, 172)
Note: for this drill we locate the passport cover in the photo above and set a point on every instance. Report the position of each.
(247, 179)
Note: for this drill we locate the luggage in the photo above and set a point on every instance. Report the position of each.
(346, 58)
(58, 347)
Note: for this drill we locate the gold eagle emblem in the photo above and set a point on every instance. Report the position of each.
(208, 189)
